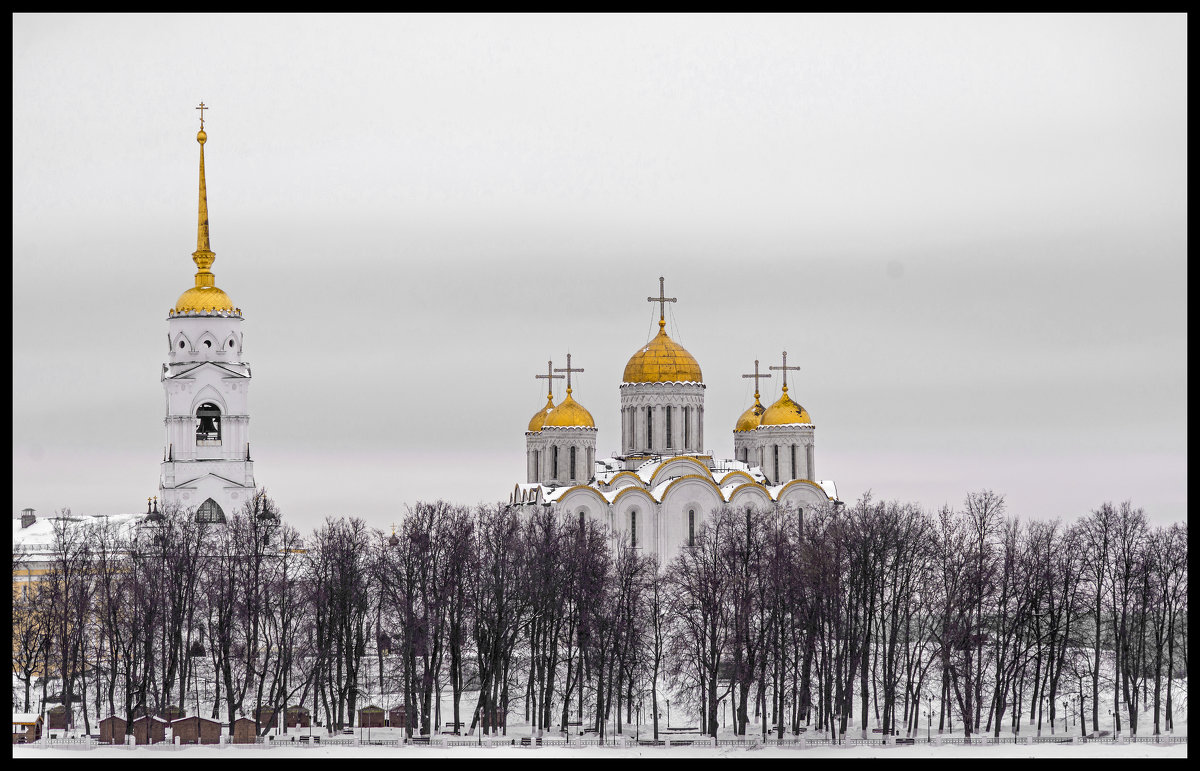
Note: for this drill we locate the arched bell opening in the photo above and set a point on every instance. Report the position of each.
(208, 424)
(210, 511)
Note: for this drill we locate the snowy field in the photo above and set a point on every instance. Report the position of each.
(1090, 750)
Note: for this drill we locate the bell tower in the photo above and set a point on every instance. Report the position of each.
(206, 464)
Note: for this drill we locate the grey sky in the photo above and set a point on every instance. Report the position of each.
(969, 231)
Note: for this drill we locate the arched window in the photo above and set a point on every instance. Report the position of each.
(649, 428)
(572, 463)
(208, 423)
(669, 443)
(210, 511)
(687, 431)
(554, 463)
(775, 476)
(582, 516)
(633, 528)
(793, 461)
(691, 527)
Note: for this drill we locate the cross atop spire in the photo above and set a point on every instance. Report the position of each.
(550, 377)
(757, 377)
(568, 369)
(785, 369)
(202, 108)
(662, 301)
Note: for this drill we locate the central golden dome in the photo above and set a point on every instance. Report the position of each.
(539, 419)
(569, 414)
(662, 360)
(784, 412)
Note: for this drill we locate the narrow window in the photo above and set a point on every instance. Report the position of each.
(581, 521)
(554, 463)
(775, 478)
(691, 527)
(633, 528)
(572, 463)
(687, 430)
(670, 443)
(793, 461)
(208, 423)
(649, 428)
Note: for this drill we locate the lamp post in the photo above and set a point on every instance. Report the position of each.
(668, 714)
(929, 724)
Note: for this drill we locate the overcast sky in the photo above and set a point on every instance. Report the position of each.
(969, 231)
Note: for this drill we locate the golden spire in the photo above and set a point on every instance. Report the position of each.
(203, 256)
(204, 297)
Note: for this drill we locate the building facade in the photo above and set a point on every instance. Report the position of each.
(657, 494)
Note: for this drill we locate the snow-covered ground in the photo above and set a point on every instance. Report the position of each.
(1090, 750)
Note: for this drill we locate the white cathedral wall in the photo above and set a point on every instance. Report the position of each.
(637, 397)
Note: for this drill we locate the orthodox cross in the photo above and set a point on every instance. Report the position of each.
(785, 369)
(568, 369)
(202, 108)
(662, 301)
(757, 376)
(550, 377)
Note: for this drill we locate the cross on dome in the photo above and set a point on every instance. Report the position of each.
(550, 377)
(662, 301)
(568, 369)
(202, 108)
(758, 376)
(785, 369)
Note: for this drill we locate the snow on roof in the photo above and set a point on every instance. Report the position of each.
(829, 487)
(25, 717)
(39, 537)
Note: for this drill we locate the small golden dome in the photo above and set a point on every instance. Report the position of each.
(750, 418)
(202, 137)
(784, 412)
(662, 360)
(569, 413)
(203, 298)
(539, 419)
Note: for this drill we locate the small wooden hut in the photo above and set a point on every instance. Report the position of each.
(371, 716)
(298, 717)
(196, 730)
(149, 730)
(112, 730)
(398, 716)
(56, 718)
(27, 727)
(266, 715)
(243, 731)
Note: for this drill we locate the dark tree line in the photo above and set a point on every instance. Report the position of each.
(830, 619)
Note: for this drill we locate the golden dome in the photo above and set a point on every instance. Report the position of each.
(569, 413)
(202, 298)
(784, 412)
(539, 419)
(662, 360)
(750, 418)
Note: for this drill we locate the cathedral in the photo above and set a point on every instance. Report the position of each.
(206, 462)
(657, 493)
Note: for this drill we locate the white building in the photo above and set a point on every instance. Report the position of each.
(658, 492)
(206, 462)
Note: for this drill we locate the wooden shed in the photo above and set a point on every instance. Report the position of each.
(243, 731)
(196, 730)
(56, 718)
(149, 730)
(398, 716)
(370, 716)
(172, 713)
(266, 715)
(112, 730)
(27, 727)
(298, 717)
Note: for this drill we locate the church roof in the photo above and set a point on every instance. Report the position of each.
(569, 414)
(784, 412)
(662, 360)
